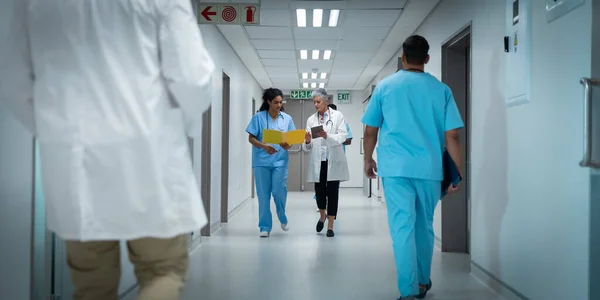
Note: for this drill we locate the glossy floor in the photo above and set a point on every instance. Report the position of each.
(356, 264)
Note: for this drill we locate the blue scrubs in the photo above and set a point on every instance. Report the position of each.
(270, 170)
(413, 111)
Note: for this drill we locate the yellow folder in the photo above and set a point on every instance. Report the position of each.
(277, 137)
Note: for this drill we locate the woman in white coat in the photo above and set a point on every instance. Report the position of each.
(109, 89)
(327, 164)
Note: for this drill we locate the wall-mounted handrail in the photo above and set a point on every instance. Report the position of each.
(587, 161)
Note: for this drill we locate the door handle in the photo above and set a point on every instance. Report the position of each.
(361, 147)
(587, 161)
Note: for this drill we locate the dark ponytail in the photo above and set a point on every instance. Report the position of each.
(269, 95)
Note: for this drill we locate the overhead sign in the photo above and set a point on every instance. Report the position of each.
(229, 13)
(300, 94)
(343, 97)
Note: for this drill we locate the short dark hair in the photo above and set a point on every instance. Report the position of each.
(416, 49)
(333, 106)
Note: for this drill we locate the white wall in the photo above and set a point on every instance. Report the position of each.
(530, 199)
(243, 88)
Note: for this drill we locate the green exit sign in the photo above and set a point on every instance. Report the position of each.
(300, 94)
(343, 97)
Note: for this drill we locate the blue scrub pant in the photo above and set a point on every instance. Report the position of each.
(411, 204)
(271, 181)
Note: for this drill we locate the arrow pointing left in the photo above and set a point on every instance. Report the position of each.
(206, 13)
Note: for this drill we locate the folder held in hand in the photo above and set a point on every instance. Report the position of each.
(451, 174)
(294, 137)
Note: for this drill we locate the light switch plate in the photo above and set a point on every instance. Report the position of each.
(557, 8)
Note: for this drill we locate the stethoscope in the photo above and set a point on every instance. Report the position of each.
(329, 121)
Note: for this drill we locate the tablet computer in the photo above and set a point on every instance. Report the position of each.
(316, 130)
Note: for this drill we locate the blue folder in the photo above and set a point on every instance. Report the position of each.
(451, 174)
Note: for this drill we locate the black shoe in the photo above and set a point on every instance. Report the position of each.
(320, 226)
(423, 291)
(330, 233)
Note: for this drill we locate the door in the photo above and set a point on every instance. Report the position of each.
(299, 110)
(205, 188)
(225, 150)
(456, 73)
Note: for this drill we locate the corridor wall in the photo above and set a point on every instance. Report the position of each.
(530, 199)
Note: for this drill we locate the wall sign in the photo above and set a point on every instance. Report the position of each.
(228, 13)
(517, 43)
(343, 97)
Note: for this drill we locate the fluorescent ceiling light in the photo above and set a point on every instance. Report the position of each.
(304, 54)
(301, 17)
(313, 85)
(333, 17)
(304, 75)
(305, 85)
(327, 54)
(315, 54)
(323, 75)
(322, 85)
(317, 17)
(313, 76)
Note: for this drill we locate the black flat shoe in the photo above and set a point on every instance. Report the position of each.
(330, 233)
(423, 291)
(320, 226)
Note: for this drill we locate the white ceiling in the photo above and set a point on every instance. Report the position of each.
(368, 34)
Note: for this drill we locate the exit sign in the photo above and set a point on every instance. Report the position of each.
(300, 94)
(343, 97)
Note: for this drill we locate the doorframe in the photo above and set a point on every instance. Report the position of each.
(464, 32)
(226, 109)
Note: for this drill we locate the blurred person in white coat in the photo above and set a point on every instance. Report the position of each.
(327, 164)
(110, 89)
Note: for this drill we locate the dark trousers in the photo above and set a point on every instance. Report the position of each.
(328, 192)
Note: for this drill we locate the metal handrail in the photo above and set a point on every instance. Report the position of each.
(587, 161)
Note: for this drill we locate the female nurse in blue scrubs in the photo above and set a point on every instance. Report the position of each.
(270, 162)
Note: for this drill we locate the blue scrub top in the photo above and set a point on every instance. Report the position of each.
(413, 111)
(262, 120)
(349, 135)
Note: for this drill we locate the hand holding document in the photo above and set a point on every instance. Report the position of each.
(294, 137)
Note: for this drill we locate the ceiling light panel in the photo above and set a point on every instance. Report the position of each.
(305, 85)
(301, 17)
(313, 85)
(303, 54)
(334, 15)
(322, 85)
(305, 75)
(323, 75)
(315, 54)
(317, 17)
(327, 54)
(313, 76)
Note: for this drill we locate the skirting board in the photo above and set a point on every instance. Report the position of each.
(496, 285)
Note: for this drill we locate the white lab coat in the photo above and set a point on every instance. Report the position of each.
(336, 135)
(109, 88)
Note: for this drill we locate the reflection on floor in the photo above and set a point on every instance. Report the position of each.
(356, 264)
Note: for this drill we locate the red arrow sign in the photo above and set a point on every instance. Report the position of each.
(206, 13)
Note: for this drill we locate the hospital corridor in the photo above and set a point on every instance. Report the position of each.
(299, 149)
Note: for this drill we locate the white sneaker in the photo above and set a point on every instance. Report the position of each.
(285, 227)
(264, 234)
(318, 210)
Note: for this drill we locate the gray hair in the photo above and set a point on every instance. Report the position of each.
(320, 93)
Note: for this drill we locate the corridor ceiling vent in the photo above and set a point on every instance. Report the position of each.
(317, 17)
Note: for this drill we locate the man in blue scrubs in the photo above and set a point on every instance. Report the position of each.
(417, 116)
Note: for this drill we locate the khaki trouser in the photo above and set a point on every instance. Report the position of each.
(160, 266)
